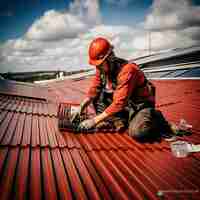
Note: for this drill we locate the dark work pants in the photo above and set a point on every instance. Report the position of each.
(148, 123)
(119, 120)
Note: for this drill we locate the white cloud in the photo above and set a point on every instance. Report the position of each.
(53, 41)
(173, 24)
(163, 40)
(69, 53)
(172, 14)
(25, 45)
(86, 10)
(54, 26)
(60, 40)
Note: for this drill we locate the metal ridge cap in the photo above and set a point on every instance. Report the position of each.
(173, 67)
(175, 78)
(162, 56)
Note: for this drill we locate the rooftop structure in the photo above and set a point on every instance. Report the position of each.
(39, 162)
(176, 56)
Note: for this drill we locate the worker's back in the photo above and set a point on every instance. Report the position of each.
(141, 90)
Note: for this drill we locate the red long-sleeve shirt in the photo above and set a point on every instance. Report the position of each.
(129, 80)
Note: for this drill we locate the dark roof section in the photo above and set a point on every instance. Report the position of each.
(172, 57)
(39, 162)
(187, 71)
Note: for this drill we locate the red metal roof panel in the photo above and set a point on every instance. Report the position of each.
(51, 134)
(23, 89)
(64, 190)
(35, 177)
(113, 186)
(29, 106)
(35, 136)
(75, 182)
(85, 176)
(18, 134)
(54, 130)
(30, 130)
(44, 141)
(37, 161)
(127, 174)
(3, 154)
(26, 137)
(100, 185)
(48, 175)
(10, 131)
(4, 123)
(21, 179)
(8, 174)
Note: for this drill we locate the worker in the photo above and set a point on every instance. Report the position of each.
(120, 93)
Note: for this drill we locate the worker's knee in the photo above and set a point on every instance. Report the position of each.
(142, 125)
(141, 131)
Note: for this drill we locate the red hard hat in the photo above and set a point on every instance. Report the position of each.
(99, 49)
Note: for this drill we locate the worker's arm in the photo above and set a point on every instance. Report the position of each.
(85, 103)
(92, 92)
(95, 85)
(90, 123)
(100, 117)
(127, 81)
(81, 108)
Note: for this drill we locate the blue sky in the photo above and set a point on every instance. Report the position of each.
(16, 16)
(55, 34)
(130, 13)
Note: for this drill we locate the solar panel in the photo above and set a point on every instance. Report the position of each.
(195, 72)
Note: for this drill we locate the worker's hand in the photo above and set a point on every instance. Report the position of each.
(76, 113)
(81, 108)
(87, 124)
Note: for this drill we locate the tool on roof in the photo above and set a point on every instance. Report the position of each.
(182, 148)
(67, 121)
(183, 128)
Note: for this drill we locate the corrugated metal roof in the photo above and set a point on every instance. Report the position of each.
(161, 56)
(27, 105)
(39, 162)
(22, 89)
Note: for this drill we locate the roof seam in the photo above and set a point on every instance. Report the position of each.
(68, 148)
(28, 113)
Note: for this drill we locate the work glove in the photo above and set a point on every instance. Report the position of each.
(76, 113)
(87, 124)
